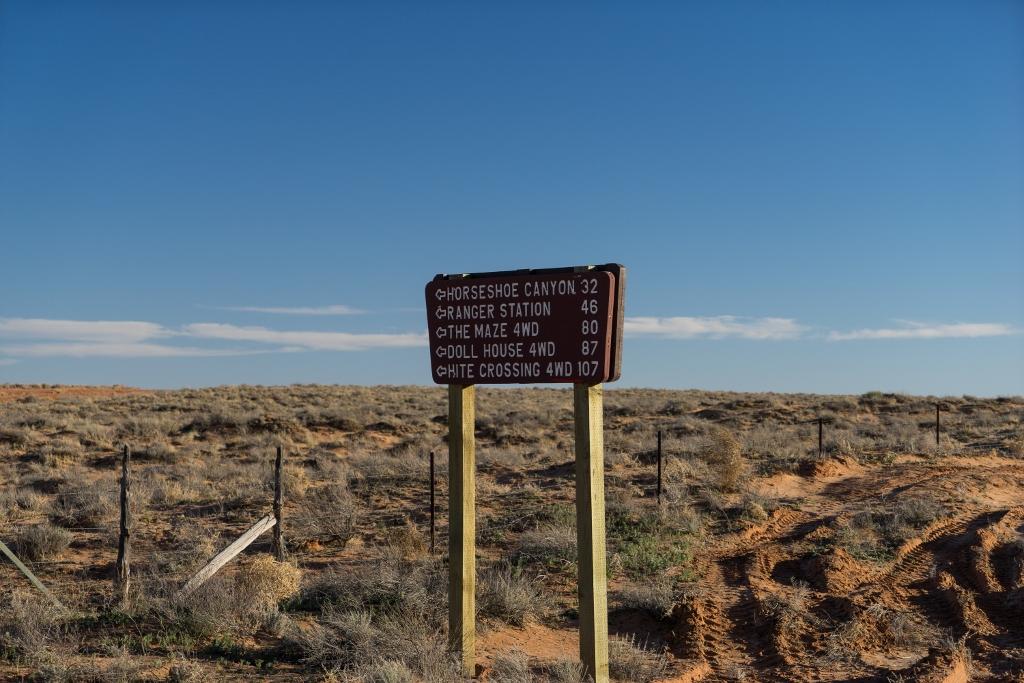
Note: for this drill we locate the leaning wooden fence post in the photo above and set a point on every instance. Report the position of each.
(28, 574)
(123, 570)
(821, 438)
(226, 555)
(462, 525)
(279, 552)
(590, 531)
(936, 424)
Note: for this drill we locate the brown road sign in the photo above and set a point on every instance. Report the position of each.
(525, 327)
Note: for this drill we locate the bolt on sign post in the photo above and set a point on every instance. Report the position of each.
(558, 325)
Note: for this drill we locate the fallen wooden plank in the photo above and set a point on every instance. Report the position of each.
(226, 555)
(28, 574)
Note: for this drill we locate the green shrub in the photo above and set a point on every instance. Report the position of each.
(645, 544)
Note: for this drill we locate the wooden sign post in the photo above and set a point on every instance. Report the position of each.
(588, 409)
(462, 525)
(522, 327)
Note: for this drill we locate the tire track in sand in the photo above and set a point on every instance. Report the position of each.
(727, 633)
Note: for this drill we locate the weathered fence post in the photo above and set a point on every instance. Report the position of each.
(659, 467)
(123, 570)
(432, 484)
(936, 425)
(278, 544)
(821, 438)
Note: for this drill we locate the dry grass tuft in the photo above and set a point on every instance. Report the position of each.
(566, 671)
(390, 621)
(722, 452)
(42, 542)
(60, 452)
(185, 671)
(79, 505)
(656, 596)
(787, 608)
(30, 627)
(508, 595)
(266, 582)
(405, 540)
(510, 666)
(551, 545)
(214, 610)
(330, 513)
(630, 660)
(387, 671)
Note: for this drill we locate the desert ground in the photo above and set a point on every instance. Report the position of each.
(888, 557)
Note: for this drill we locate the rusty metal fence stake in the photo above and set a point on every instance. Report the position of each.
(659, 467)
(432, 513)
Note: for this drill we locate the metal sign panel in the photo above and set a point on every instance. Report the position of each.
(525, 327)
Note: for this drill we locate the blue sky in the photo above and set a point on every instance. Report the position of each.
(810, 196)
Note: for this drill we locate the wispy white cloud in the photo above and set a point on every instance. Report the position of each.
(44, 338)
(115, 350)
(92, 338)
(122, 331)
(336, 309)
(317, 341)
(714, 327)
(918, 330)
